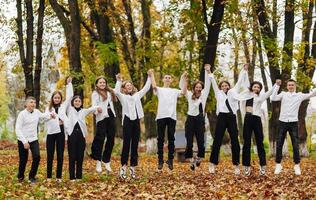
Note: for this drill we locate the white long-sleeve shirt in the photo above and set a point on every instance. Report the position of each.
(52, 125)
(71, 116)
(167, 102)
(97, 100)
(232, 94)
(290, 103)
(193, 105)
(27, 123)
(258, 100)
(131, 104)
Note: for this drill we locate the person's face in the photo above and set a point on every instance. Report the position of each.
(30, 105)
(57, 99)
(291, 86)
(167, 79)
(101, 84)
(129, 87)
(225, 87)
(256, 88)
(77, 102)
(198, 88)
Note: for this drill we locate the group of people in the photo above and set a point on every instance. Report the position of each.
(65, 120)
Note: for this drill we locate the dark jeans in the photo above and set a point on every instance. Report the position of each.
(131, 136)
(253, 123)
(105, 128)
(195, 126)
(23, 155)
(76, 147)
(292, 128)
(55, 140)
(226, 121)
(162, 124)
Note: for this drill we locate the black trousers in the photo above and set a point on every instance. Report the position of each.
(226, 121)
(23, 155)
(131, 136)
(292, 128)
(253, 123)
(195, 126)
(162, 124)
(55, 141)
(105, 128)
(76, 147)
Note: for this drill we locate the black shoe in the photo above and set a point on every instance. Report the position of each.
(160, 165)
(170, 164)
(198, 162)
(33, 180)
(192, 166)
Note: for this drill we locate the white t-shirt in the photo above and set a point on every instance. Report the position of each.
(167, 102)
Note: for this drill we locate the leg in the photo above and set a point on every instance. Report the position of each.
(50, 149)
(295, 139)
(233, 133)
(110, 136)
(81, 144)
(134, 145)
(189, 131)
(218, 138)
(23, 156)
(171, 131)
(72, 155)
(98, 141)
(247, 132)
(126, 141)
(161, 127)
(280, 141)
(258, 131)
(60, 146)
(200, 129)
(34, 146)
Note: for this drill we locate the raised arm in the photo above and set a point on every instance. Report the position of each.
(153, 80)
(308, 95)
(207, 80)
(267, 94)
(118, 86)
(243, 79)
(214, 85)
(275, 96)
(92, 109)
(147, 85)
(18, 129)
(184, 83)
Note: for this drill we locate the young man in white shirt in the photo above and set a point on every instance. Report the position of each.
(26, 132)
(290, 103)
(167, 116)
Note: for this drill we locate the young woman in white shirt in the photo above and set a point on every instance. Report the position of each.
(167, 116)
(254, 99)
(226, 109)
(104, 97)
(75, 125)
(26, 132)
(290, 104)
(132, 112)
(195, 123)
(55, 136)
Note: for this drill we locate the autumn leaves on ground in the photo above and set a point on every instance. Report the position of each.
(181, 183)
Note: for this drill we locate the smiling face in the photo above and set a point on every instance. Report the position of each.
(77, 103)
(30, 104)
(167, 80)
(224, 86)
(101, 83)
(198, 88)
(129, 87)
(256, 88)
(291, 86)
(56, 99)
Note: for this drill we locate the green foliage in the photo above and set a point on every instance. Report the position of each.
(107, 53)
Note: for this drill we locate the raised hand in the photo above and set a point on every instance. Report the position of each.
(278, 82)
(246, 66)
(150, 72)
(207, 67)
(118, 77)
(69, 79)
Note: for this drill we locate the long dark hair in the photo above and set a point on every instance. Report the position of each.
(193, 88)
(73, 99)
(51, 103)
(103, 92)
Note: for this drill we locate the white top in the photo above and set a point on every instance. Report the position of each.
(27, 123)
(290, 103)
(193, 105)
(167, 102)
(52, 125)
(258, 100)
(98, 101)
(131, 104)
(71, 117)
(232, 94)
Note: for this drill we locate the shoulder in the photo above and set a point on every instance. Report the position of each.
(94, 94)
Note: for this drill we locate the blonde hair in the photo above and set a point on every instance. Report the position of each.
(123, 90)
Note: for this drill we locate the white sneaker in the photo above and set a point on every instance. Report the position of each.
(99, 167)
(108, 167)
(278, 168)
(236, 170)
(132, 172)
(247, 170)
(297, 170)
(211, 168)
(123, 172)
(262, 170)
